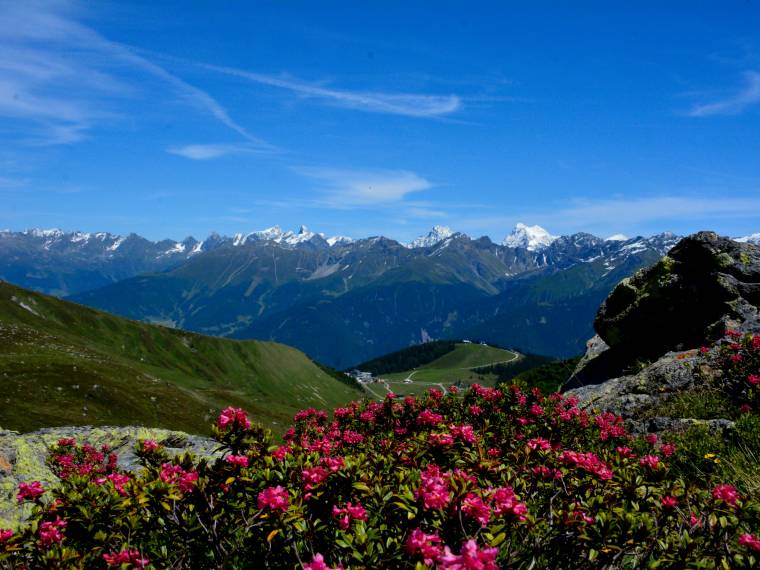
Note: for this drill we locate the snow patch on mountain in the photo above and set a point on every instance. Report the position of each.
(434, 236)
(617, 237)
(115, 245)
(532, 238)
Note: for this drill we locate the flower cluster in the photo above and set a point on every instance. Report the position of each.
(476, 480)
(738, 359)
(129, 556)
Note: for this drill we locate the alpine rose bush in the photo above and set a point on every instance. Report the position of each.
(483, 479)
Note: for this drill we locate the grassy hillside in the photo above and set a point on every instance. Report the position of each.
(64, 364)
(458, 365)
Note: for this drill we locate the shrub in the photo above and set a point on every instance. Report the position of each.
(485, 479)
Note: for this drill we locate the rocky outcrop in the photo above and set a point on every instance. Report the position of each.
(22, 456)
(705, 283)
(650, 326)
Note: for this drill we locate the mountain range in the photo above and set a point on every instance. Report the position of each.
(342, 300)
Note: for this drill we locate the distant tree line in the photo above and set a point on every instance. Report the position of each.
(532, 370)
(408, 358)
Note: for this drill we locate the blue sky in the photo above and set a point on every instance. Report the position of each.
(181, 118)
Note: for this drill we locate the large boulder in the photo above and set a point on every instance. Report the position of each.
(23, 456)
(704, 285)
(686, 299)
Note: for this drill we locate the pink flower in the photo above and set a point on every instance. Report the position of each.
(67, 442)
(750, 541)
(651, 438)
(536, 410)
(434, 490)
(505, 503)
(427, 545)
(651, 462)
(348, 513)
(150, 445)
(233, 417)
(471, 557)
(475, 410)
(5, 534)
(725, 493)
(476, 508)
(239, 460)
(175, 475)
(29, 491)
(704, 350)
(539, 443)
(318, 563)
(745, 409)
(753, 379)
(440, 439)
(51, 532)
(580, 516)
(275, 498)
(668, 449)
(352, 437)
(334, 464)
(625, 451)
(588, 462)
(694, 520)
(119, 480)
(131, 556)
(313, 477)
(429, 418)
(463, 432)
(281, 452)
(669, 502)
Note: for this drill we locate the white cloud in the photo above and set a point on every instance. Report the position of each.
(356, 188)
(210, 151)
(59, 76)
(734, 104)
(407, 104)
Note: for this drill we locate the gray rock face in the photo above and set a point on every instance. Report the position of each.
(705, 283)
(628, 394)
(22, 456)
(649, 327)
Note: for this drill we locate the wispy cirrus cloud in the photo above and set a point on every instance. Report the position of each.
(364, 188)
(211, 151)
(406, 104)
(60, 78)
(733, 104)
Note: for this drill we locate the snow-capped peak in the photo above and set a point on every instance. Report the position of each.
(752, 238)
(52, 232)
(617, 237)
(531, 238)
(434, 236)
(331, 241)
(273, 233)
